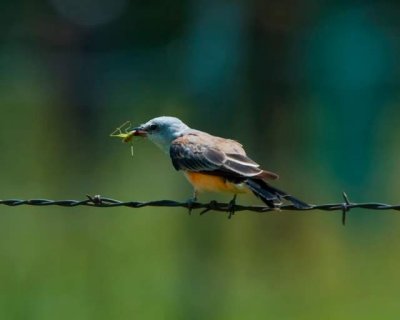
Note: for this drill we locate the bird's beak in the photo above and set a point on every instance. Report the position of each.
(140, 131)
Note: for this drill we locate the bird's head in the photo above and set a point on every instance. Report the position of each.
(162, 131)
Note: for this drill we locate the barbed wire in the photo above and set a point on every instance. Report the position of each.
(230, 208)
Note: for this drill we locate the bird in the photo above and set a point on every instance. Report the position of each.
(213, 164)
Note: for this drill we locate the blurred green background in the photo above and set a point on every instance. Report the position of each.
(309, 87)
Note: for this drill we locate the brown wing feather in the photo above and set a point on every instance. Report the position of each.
(200, 152)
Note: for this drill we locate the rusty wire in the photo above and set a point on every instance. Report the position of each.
(103, 202)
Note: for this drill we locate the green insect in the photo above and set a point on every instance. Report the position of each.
(123, 132)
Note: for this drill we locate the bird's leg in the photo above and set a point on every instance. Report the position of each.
(192, 200)
(231, 207)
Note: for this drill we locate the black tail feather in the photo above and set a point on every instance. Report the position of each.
(272, 196)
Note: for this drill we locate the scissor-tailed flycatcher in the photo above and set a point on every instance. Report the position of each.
(212, 163)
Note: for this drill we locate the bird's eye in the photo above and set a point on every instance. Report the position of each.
(153, 127)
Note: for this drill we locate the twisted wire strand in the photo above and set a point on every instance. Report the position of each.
(104, 202)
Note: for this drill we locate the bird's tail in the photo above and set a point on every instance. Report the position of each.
(272, 196)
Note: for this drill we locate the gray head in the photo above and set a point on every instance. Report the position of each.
(162, 131)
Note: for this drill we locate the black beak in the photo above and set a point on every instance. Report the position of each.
(140, 131)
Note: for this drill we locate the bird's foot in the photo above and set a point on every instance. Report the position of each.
(192, 201)
(231, 207)
(190, 204)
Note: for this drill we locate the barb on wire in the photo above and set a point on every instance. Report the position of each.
(103, 202)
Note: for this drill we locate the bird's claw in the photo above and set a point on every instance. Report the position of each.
(190, 204)
(231, 207)
(192, 201)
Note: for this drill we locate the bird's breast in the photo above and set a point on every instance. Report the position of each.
(207, 182)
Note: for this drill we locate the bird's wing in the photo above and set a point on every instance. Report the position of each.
(201, 152)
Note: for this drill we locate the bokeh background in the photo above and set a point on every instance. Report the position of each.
(309, 87)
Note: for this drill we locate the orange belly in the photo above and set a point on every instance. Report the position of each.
(205, 182)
